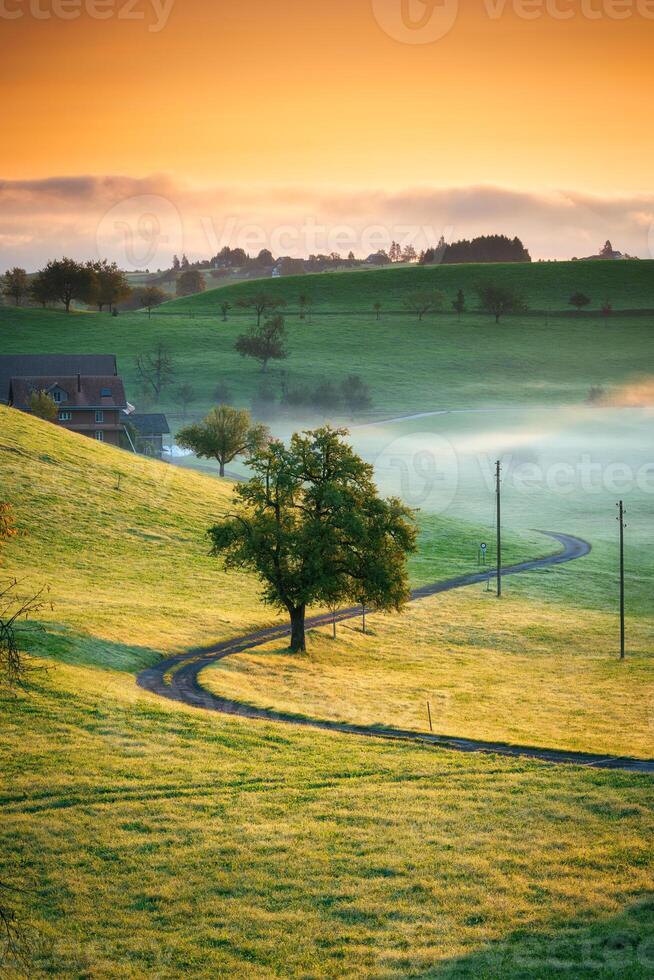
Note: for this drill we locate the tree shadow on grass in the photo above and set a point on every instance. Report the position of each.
(622, 946)
(55, 642)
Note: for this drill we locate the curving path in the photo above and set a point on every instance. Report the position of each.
(176, 678)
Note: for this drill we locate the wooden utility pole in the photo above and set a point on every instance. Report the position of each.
(621, 513)
(498, 494)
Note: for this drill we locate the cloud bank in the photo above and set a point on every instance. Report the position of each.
(142, 222)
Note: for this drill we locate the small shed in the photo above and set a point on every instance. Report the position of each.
(149, 430)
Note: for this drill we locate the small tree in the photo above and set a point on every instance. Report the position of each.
(66, 280)
(356, 394)
(409, 254)
(223, 435)
(222, 393)
(109, 285)
(225, 308)
(311, 525)
(16, 284)
(607, 308)
(184, 396)
(305, 303)
(377, 307)
(424, 301)
(261, 302)
(264, 343)
(499, 300)
(43, 406)
(189, 281)
(579, 300)
(41, 291)
(459, 304)
(155, 369)
(149, 296)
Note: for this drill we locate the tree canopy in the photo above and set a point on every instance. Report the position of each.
(264, 343)
(310, 524)
(224, 434)
(499, 300)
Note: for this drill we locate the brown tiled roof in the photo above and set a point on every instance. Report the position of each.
(104, 391)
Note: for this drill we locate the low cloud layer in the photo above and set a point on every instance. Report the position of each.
(142, 222)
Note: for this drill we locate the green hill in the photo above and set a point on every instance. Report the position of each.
(149, 839)
(545, 285)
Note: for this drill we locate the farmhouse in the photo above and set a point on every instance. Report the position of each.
(92, 406)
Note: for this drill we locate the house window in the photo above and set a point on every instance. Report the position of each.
(99, 436)
(99, 415)
(65, 416)
(57, 396)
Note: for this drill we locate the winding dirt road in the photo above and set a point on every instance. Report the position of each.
(176, 678)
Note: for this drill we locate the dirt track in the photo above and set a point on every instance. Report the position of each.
(177, 677)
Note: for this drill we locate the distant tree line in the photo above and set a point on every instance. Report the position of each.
(485, 248)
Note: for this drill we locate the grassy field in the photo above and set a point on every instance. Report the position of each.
(216, 842)
(409, 366)
(544, 285)
(152, 840)
(522, 671)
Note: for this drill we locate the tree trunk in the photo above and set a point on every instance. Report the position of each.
(298, 642)
(222, 467)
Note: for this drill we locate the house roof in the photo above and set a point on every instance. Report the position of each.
(49, 365)
(82, 391)
(154, 424)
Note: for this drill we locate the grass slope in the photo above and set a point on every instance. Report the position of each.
(152, 840)
(545, 286)
(409, 366)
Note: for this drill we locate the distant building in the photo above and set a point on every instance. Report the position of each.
(148, 432)
(52, 365)
(93, 406)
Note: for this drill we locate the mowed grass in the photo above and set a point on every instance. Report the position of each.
(518, 670)
(544, 285)
(149, 839)
(120, 543)
(409, 366)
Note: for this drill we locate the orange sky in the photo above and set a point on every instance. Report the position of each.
(316, 94)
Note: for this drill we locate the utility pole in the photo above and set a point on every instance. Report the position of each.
(498, 494)
(621, 521)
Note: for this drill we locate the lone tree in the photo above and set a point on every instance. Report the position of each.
(224, 434)
(499, 300)
(579, 300)
(225, 308)
(261, 302)
(424, 301)
(16, 284)
(459, 304)
(311, 525)
(148, 296)
(377, 307)
(155, 369)
(66, 280)
(264, 343)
